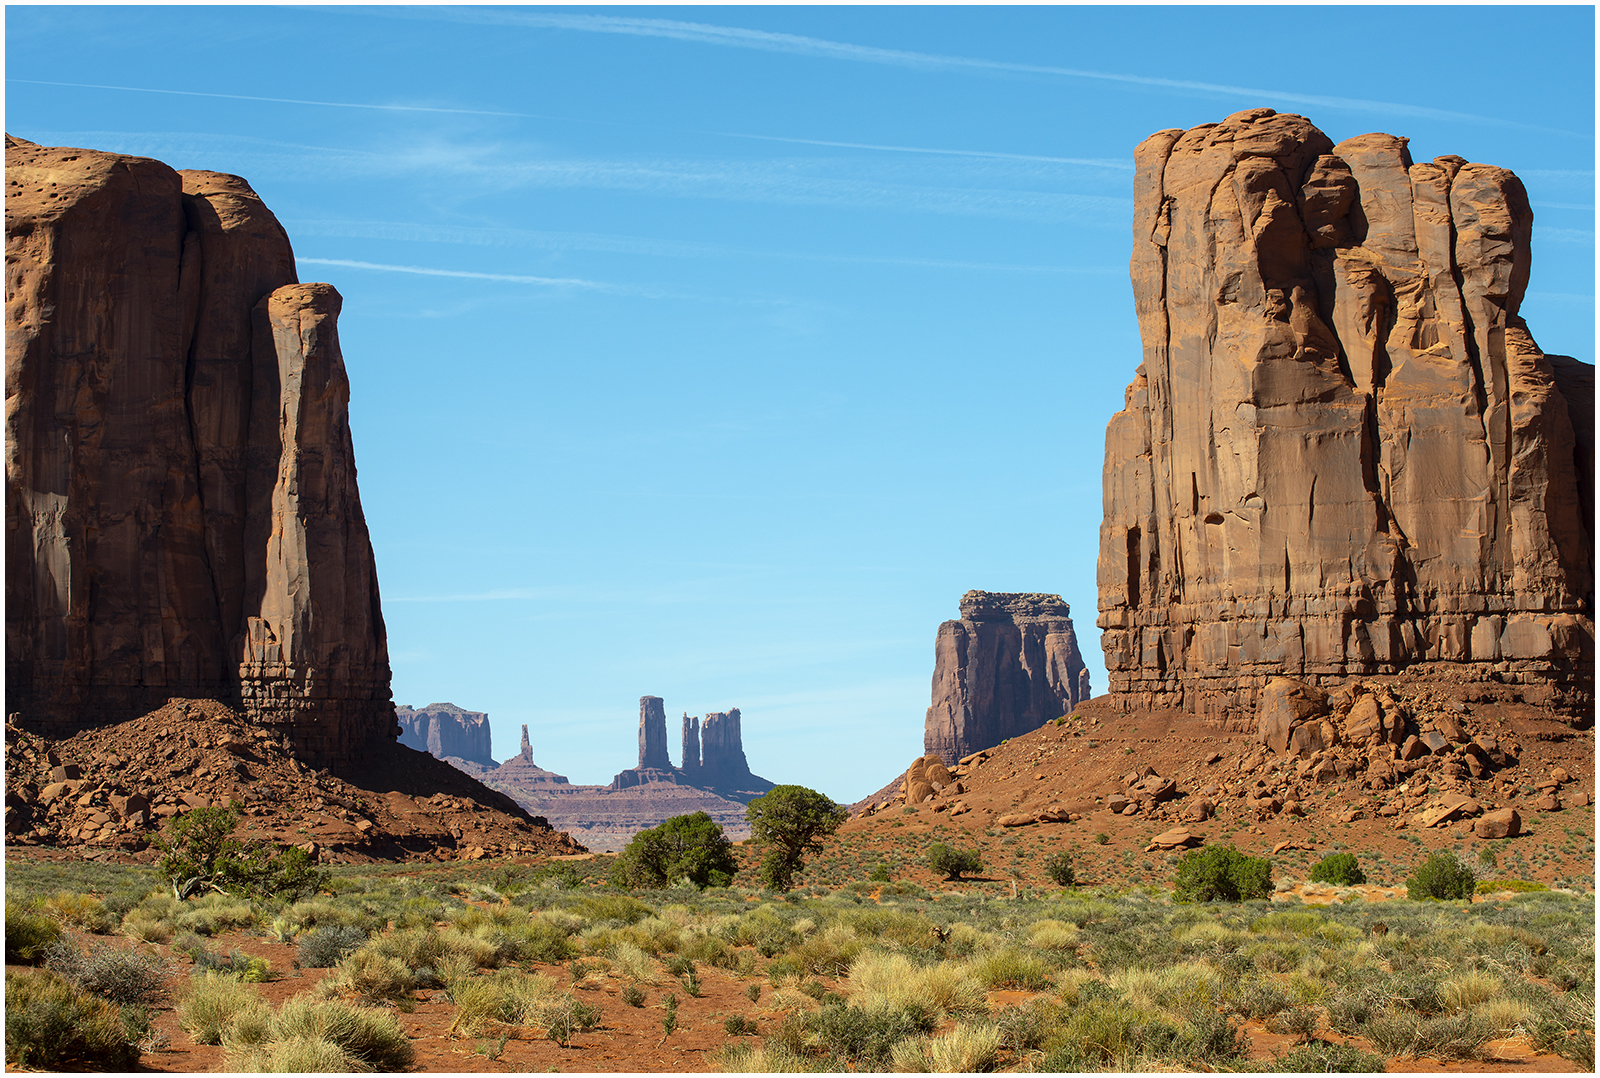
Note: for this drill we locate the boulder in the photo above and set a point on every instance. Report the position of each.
(1009, 665)
(1176, 839)
(1285, 705)
(1448, 725)
(1501, 823)
(918, 792)
(1434, 742)
(1016, 819)
(1155, 788)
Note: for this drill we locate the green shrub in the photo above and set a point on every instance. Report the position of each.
(690, 847)
(737, 1025)
(1058, 868)
(953, 863)
(1441, 876)
(1222, 872)
(199, 853)
(880, 873)
(1340, 869)
(51, 1023)
(29, 936)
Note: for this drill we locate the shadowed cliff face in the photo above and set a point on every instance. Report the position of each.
(181, 502)
(1008, 666)
(1343, 452)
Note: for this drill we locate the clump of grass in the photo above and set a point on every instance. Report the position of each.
(213, 999)
(888, 982)
(29, 936)
(509, 996)
(51, 1023)
(325, 1035)
(1011, 967)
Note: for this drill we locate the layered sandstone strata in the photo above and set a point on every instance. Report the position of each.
(181, 506)
(1343, 452)
(446, 730)
(1008, 666)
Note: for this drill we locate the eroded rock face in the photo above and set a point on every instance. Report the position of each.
(1343, 452)
(447, 730)
(1009, 665)
(653, 733)
(181, 504)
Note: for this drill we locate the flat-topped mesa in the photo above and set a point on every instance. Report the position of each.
(1343, 453)
(1008, 666)
(181, 504)
(447, 730)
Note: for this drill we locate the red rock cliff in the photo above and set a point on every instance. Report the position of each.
(181, 507)
(1343, 452)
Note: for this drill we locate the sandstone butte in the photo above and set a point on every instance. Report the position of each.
(447, 732)
(182, 517)
(1008, 666)
(1343, 454)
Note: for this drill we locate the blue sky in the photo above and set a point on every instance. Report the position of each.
(712, 353)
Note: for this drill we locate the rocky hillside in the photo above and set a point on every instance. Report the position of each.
(101, 791)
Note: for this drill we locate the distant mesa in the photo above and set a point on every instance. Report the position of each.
(446, 730)
(1343, 454)
(1009, 665)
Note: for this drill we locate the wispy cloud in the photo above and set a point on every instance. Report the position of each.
(881, 147)
(638, 245)
(272, 100)
(979, 188)
(796, 44)
(513, 278)
(1564, 235)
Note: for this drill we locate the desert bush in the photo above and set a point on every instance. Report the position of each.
(631, 961)
(709, 950)
(212, 1000)
(29, 936)
(508, 996)
(199, 853)
(1341, 869)
(633, 995)
(1099, 1034)
(829, 952)
(211, 914)
(1024, 1027)
(953, 863)
(1443, 876)
(737, 1025)
(846, 1037)
(1058, 868)
(1222, 872)
(967, 1049)
(1467, 989)
(690, 847)
(51, 1023)
(121, 975)
(327, 947)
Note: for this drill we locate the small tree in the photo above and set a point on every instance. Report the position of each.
(200, 853)
(1442, 875)
(953, 862)
(1059, 868)
(790, 821)
(1338, 868)
(1222, 872)
(690, 847)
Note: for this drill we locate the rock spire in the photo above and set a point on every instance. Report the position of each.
(653, 734)
(1008, 666)
(691, 745)
(526, 752)
(181, 503)
(1343, 453)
